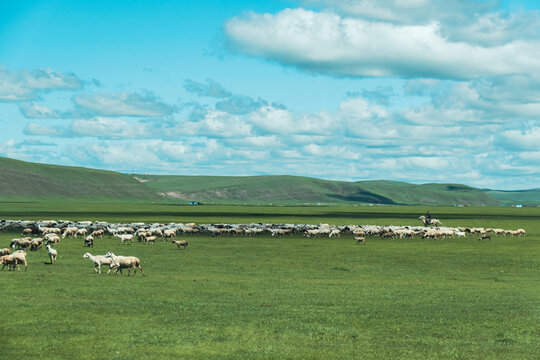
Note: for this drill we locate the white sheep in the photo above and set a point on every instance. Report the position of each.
(14, 260)
(8, 260)
(52, 254)
(179, 243)
(98, 261)
(169, 233)
(360, 239)
(89, 241)
(126, 237)
(334, 233)
(81, 232)
(70, 231)
(122, 262)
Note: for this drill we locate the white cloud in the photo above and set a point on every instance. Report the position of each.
(211, 88)
(27, 85)
(325, 42)
(109, 128)
(524, 140)
(409, 11)
(124, 104)
(271, 119)
(216, 123)
(37, 129)
(38, 111)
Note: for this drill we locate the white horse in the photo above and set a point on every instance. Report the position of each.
(427, 222)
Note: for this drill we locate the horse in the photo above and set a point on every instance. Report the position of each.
(427, 222)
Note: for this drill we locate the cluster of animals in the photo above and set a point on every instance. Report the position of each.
(50, 233)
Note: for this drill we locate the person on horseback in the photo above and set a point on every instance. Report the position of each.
(428, 218)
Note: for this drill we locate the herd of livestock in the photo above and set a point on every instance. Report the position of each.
(48, 233)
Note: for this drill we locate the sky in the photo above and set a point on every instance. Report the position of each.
(410, 90)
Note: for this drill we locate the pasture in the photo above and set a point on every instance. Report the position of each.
(279, 298)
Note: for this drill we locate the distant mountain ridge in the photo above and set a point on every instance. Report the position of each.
(26, 181)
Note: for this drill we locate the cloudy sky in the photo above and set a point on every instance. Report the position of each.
(410, 90)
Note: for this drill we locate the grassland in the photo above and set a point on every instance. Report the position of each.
(289, 298)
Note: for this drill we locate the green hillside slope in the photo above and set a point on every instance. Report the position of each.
(24, 181)
(524, 197)
(430, 194)
(21, 180)
(260, 189)
(295, 189)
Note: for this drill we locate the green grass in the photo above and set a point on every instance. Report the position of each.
(337, 214)
(289, 298)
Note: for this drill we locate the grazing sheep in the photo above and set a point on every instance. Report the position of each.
(98, 233)
(70, 231)
(98, 261)
(359, 232)
(155, 232)
(36, 243)
(47, 230)
(311, 232)
(8, 260)
(141, 235)
(52, 254)
(190, 230)
(123, 262)
(179, 243)
(334, 233)
(81, 232)
(149, 239)
(484, 237)
(27, 231)
(169, 234)
(20, 258)
(125, 238)
(89, 241)
(20, 243)
(55, 239)
(5, 251)
(360, 239)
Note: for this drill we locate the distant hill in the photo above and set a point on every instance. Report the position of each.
(298, 190)
(20, 180)
(25, 181)
(525, 197)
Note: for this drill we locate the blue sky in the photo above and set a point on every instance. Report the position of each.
(417, 90)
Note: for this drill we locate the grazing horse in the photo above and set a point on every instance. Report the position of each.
(427, 222)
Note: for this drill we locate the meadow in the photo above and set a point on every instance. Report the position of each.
(279, 298)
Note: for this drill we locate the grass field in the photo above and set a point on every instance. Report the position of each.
(289, 298)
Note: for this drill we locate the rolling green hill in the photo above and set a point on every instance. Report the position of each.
(525, 197)
(20, 181)
(25, 181)
(298, 190)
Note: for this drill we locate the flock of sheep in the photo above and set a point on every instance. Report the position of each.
(50, 233)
